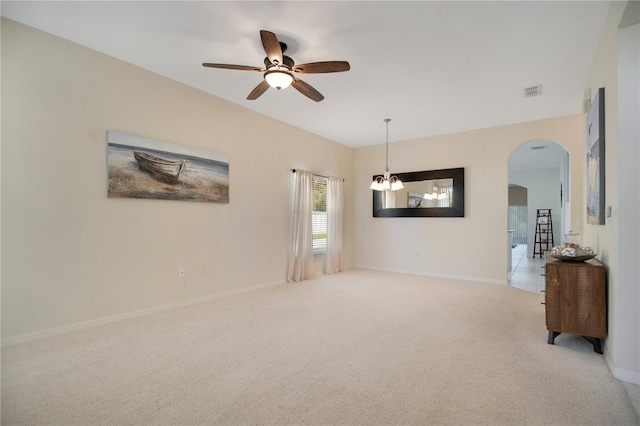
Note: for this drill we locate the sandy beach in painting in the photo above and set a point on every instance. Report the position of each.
(200, 181)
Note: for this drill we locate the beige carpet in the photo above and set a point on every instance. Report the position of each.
(359, 347)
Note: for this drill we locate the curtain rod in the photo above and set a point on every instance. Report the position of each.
(315, 174)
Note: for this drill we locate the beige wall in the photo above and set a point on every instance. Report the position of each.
(473, 247)
(614, 246)
(69, 253)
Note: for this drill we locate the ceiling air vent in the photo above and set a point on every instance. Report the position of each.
(533, 91)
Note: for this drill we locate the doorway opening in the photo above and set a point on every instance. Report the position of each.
(518, 216)
(539, 178)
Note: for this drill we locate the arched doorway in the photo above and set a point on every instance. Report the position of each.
(540, 171)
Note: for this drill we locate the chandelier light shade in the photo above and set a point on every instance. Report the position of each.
(278, 79)
(435, 194)
(386, 182)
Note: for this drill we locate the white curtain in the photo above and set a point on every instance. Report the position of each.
(335, 218)
(448, 190)
(389, 199)
(300, 249)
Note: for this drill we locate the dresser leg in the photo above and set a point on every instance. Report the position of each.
(552, 336)
(596, 342)
(597, 346)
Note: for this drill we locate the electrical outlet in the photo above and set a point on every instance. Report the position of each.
(203, 269)
(181, 272)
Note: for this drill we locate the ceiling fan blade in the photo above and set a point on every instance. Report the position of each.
(233, 67)
(322, 67)
(307, 90)
(258, 90)
(271, 46)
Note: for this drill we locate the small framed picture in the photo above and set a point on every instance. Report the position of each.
(414, 200)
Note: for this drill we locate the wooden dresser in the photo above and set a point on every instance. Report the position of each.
(576, 300)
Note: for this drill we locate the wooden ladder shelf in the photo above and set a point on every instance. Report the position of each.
(543, 240)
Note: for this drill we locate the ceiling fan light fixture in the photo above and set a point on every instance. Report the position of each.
(279, 69)
(278, 79)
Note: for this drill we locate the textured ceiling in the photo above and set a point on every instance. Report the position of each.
(432, 67)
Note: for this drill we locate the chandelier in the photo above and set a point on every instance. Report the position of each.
(435, 194)
(386, 181)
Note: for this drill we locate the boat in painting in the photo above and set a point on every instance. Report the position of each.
(166, 168)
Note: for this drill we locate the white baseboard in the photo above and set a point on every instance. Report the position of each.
(626, 376)
(99, 321)
(426, 274)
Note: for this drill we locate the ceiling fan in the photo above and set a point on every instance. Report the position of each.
(279, 69)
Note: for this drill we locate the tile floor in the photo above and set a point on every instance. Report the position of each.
(526, 272)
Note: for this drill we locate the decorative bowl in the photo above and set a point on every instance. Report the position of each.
(580, 258)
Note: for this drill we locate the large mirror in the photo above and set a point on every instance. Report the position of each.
(431, 193)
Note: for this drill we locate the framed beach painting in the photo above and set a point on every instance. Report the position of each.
(595, 151)
(140, 167)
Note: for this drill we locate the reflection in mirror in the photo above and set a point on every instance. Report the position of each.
(431, 193)
(422, 194)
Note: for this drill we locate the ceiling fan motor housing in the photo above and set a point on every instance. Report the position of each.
(287, 62)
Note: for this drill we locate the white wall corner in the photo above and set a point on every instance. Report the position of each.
(627, 376)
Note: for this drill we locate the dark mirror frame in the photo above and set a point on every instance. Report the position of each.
(456, 210)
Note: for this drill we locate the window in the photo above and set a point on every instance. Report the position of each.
(319, 218)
